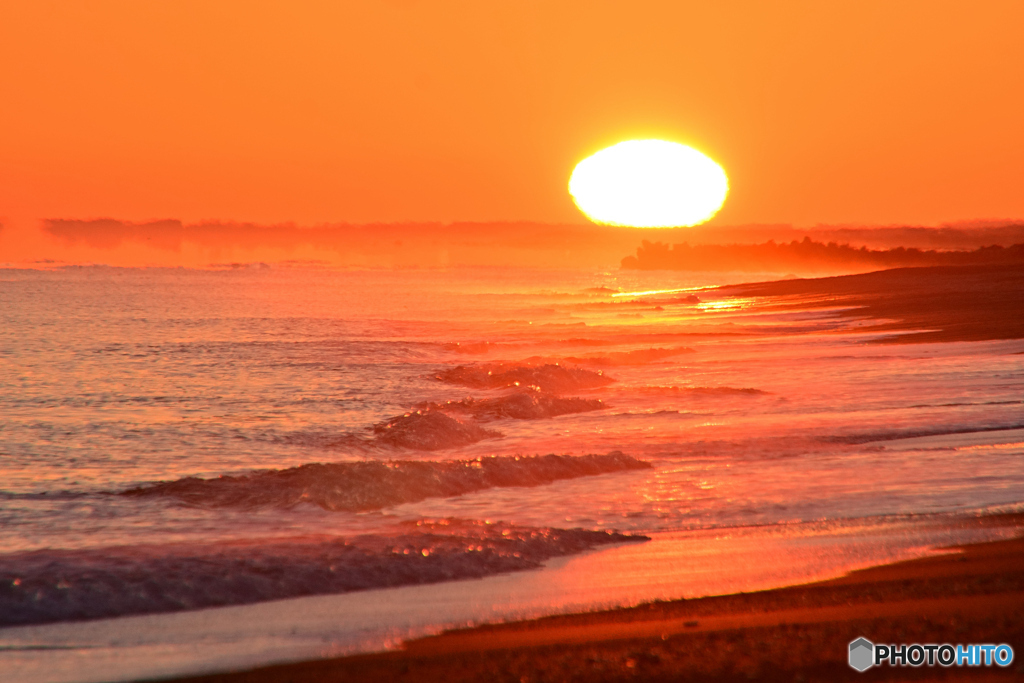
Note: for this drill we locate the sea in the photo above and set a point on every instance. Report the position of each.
(182, 441)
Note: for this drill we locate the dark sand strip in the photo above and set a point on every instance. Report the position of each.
(801, 633)
(972, 303)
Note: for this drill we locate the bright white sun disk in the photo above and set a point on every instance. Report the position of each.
(649, 184)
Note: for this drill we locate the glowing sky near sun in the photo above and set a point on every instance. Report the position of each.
(871, 112)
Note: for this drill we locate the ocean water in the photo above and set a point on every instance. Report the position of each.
(178, 439)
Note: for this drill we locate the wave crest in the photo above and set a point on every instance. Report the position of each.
(518, 406)
(429, 431)
(361, 486)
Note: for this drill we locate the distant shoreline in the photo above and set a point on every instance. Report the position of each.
(936, 304)
(730, 248)
(808, 256)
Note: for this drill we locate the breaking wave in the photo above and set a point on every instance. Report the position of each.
(423, 430)
(360, 486)
(519, 406)
(551, 378)
(431, 427)
(61, 585)
(429, 431)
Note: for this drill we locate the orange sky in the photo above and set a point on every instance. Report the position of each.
(821, 112)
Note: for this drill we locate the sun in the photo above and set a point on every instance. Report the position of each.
(649, 184)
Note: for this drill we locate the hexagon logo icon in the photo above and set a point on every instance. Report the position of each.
(862, 654)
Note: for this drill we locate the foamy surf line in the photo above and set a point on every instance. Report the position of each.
(60, 585)
(675, 565)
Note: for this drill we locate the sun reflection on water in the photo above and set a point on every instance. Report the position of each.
(732, 304)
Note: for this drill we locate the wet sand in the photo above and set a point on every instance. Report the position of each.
(974, 594)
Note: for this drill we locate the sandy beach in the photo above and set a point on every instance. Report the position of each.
(971, 594)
